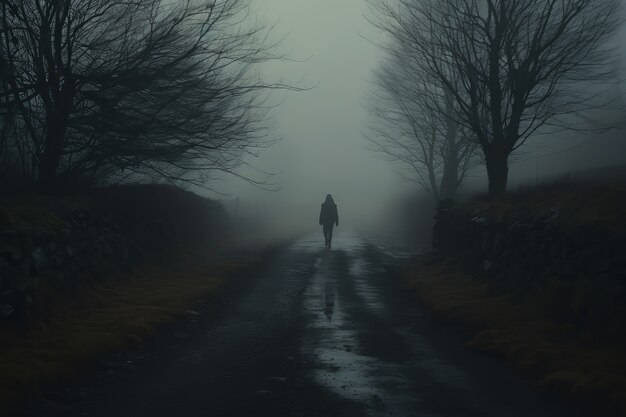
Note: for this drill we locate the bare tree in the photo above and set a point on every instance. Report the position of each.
(513, 66)
(148, 87)
(414, 124)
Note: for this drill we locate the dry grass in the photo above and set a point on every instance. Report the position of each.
(581, 204)
(559, 358)
(35, 210)
(103, 316)
(110, 308)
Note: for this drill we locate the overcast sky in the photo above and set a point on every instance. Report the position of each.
(323, 150)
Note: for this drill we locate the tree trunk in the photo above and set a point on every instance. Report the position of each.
(50, 157)
(449, 181)
(450, 177)
(56, 129)
(496, 159)
(57, 120)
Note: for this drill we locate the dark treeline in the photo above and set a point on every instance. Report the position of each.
(98, 92)
(467, 82)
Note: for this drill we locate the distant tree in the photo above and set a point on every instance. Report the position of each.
(102, 89)
(414, 124)
(513, 66)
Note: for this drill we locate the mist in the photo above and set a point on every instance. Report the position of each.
(332, 52)
(313, 208)
(322, 150)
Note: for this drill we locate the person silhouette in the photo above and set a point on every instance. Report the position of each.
(328, 219)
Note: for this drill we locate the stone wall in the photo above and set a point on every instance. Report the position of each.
(52, 245)
(577, 270)
(37, 259)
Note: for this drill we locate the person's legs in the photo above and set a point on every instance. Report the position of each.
(330, 234)
(325, 228)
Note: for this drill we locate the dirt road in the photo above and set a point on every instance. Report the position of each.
(318, 333)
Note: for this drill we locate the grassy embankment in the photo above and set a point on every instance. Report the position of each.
(175, 259)
(563, 355)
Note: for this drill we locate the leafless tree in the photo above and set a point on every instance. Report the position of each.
(148, 87)
(414, 124)
(513, 66)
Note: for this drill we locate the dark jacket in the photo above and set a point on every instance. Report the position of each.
(328, 214)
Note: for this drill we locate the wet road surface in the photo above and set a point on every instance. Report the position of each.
(318, 333)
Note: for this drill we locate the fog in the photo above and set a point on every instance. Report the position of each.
(160, 252)
(332, 51)
(322, 148)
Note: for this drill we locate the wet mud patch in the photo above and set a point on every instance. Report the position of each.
(357, 356)
(376, 336)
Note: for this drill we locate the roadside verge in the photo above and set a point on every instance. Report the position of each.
(92, 274)
(114, 315)
(556, 355)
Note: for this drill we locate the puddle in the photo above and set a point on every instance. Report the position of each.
(335, 347)
(362, 272)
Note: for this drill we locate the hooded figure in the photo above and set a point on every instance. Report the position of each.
(328, 219)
